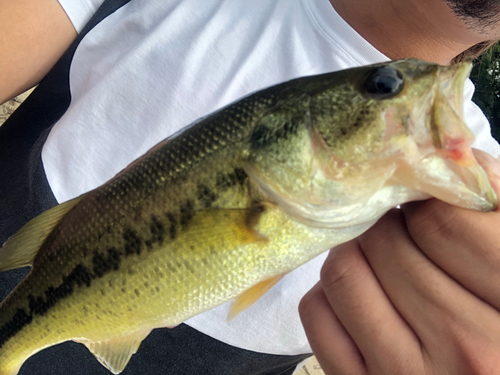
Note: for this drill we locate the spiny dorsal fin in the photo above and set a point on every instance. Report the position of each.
(20, 249)
(114, 354)
(250, 296)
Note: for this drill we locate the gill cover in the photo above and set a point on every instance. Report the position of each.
(376, 138)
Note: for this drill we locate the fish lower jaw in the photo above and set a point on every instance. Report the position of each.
(466, 186)
(361, 213)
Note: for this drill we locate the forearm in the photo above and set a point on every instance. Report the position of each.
(33, 36)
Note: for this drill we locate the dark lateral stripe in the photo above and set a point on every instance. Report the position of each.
(46, 104)
(19, 320)
(187, 212)
(82, 276)
(206, 196)
(132, 242)
(173, 226)
(109, 261)
(39, 306)
(157, 230)
(104, 265)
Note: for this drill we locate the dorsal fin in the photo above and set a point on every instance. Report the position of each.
(20, 249)
(114, 354)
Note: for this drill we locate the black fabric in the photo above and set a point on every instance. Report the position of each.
(182, 350)
(24, 190)
(25, 193)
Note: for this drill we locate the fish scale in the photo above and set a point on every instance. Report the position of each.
(228, 206)
(103, 253)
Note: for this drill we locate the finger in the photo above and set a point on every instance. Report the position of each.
(448, 319)
(383, 337)
(464, 243)
(333, 347)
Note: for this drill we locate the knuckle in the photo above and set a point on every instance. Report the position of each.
(343, 270)
(307, 305)
(434, 225)
(384, 233)
(486, 229)
(479, 357)
(434, 216)
(469, 347)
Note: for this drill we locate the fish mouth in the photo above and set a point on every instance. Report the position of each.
(449, 170)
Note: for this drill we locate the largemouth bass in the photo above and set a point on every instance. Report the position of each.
(223, 209)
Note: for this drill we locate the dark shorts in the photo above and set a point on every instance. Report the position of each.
(25, 193)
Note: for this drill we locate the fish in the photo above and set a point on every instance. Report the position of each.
(226, 207)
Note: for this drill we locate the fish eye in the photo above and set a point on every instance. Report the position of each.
(383, 83)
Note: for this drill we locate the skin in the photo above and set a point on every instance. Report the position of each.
(423, 29)
(420, 300)
(416, 293)
(33, 36)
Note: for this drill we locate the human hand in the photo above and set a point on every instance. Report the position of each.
(416, 294)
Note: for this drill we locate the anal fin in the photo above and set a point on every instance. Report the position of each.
(114, 354)
(250, 296)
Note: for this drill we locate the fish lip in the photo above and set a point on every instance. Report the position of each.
(446, 167)
(473, 188)
(451, 81)
(458, 138)
(447, 126)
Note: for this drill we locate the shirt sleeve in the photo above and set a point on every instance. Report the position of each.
(478, 123)
(80, 11)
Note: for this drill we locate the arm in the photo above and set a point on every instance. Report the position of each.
(416, 294)
(33, 36)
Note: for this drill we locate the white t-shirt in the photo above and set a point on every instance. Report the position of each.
(153, 67)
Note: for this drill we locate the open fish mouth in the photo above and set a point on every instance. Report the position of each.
(414, 145)
(449, 170)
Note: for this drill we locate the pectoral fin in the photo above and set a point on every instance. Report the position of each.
(222, 228)
(20, 249)
(250, 296)
(114, 354)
